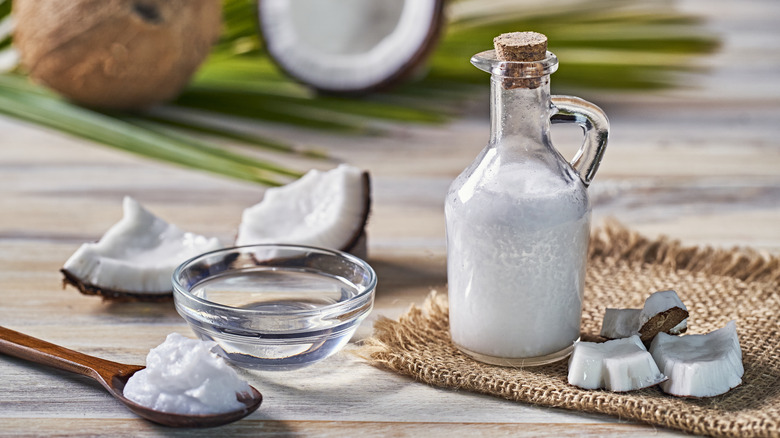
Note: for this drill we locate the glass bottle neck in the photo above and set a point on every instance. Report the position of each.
(518, 113)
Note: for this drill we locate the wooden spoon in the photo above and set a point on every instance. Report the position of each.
(113, 376)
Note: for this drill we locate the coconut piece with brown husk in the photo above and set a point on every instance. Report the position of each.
(663, 312)
(118, 54)
(135, 258)
(350, 46)
(323, 209)
(700, 365)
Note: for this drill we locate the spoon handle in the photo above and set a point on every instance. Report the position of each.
(36, 350)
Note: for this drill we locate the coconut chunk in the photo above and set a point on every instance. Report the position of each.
(323, 209)
(586, 365)
(618, 365)
(135, 258)
(631, 371)
(700, 365)
(620, 323)
(663, 312)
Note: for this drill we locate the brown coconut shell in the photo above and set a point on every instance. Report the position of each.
(115, 54)
(662, 322)
(358, 242)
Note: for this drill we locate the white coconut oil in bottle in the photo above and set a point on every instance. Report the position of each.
(518, 218)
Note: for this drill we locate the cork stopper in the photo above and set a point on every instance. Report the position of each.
(521, 46)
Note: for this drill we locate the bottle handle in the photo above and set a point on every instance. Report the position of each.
(595, 126)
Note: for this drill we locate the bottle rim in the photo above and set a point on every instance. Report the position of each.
(487, 61)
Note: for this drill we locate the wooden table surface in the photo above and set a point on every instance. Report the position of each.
(701, 164)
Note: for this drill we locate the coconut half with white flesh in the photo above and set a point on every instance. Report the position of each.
(619, 365)
(322, 209)
(135, 258)
(350, 46)
(700, 365)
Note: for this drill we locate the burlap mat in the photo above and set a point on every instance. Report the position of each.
(716, 285)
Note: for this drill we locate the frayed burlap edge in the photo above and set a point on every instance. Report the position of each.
(418, 345)
(613, 240)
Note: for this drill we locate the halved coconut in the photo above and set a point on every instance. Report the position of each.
(135, 259)
(350, 46)
(323, 209)
(619, 365)
(700, 365)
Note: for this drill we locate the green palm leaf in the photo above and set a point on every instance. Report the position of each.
(603, 44)
(5, 24)
(126, 133)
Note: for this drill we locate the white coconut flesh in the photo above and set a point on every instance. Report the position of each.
(619, 365)
(322, 209)
(135, 257)
(620, 323)
(349, 45)
(700, 365)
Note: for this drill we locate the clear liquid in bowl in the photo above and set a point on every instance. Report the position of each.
(277, 342)
(275, 290)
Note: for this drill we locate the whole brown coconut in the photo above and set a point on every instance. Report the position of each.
(115, 54)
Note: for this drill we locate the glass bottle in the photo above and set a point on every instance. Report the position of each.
(518, 222)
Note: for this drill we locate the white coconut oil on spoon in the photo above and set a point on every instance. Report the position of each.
(114, 377)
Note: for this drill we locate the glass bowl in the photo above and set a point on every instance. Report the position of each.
(274, 307)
